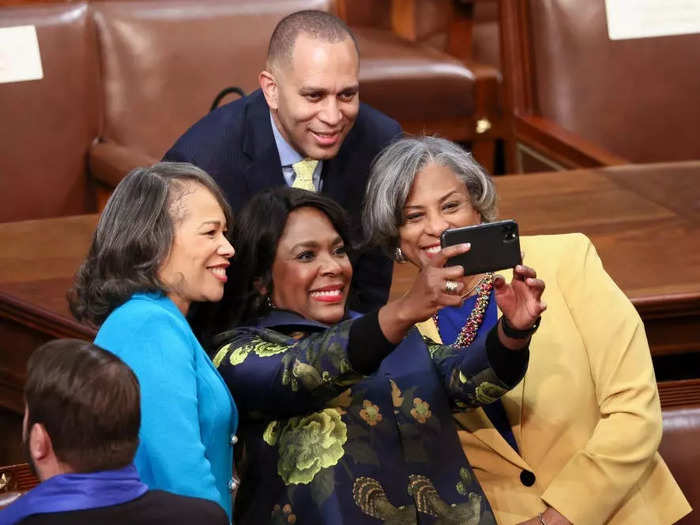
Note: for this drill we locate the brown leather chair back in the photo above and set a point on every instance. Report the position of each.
(637, 98)
(47, 125)
(485, 37)
(425, 84)
(163, 63)
(680, 448)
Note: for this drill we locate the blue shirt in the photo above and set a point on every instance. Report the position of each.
(289, 156)
(451, 320)
(188, 417)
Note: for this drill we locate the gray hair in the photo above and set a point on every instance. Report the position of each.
(134, 236)
(392, 175)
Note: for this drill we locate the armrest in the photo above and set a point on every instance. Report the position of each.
(562, 146)
(481, 71)
(110, 162)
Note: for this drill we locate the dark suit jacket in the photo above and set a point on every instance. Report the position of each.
(235, 145)
(153, 508)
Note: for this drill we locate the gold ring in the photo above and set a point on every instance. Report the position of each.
(451, 286)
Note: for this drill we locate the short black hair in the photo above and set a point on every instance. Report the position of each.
(133, 238)
(88, 401)
(256, 234)
(317, 24)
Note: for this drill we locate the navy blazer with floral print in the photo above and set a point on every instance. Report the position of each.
(324, 444)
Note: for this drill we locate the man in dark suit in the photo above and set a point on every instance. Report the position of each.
(81, 426)
(305, 127)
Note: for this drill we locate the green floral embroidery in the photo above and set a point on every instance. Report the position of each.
(239, 355)
(272, 433)
(370, 413)
(462, 378)
(310, 443)
(433, 347)
(220, 355)
(465, 481)
(257, 346)
(421, 410)
(267, 349)
(307, 374)
(488, 392)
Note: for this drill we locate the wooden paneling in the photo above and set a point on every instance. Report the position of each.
(681, 394)
(575, 95)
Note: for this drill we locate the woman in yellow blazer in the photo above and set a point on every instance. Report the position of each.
(576, 441)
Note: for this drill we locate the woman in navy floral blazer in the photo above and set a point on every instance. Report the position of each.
(347, 419)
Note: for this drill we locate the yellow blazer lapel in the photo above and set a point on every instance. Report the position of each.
(479, 425)
(429, 330)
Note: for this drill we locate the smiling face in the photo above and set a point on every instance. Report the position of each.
(438, 200)
(311, 272)
(195, 269)
(314, 98)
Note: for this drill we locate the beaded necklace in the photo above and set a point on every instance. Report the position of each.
(471, 326)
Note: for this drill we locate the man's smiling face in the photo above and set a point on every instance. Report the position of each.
(315, 98)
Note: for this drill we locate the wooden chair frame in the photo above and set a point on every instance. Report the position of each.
(486, 125)
(525, 128)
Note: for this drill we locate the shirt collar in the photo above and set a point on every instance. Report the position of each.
(278, 317)
(288, 155)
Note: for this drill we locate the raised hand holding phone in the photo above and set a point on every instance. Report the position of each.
(434, 287)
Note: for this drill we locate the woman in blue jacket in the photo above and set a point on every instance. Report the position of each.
(161, 244)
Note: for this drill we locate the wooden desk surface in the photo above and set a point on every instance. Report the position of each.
(37, 262)
(643, 219)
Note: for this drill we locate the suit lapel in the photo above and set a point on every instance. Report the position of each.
(335, 185)
(345, 175)
(263, 169)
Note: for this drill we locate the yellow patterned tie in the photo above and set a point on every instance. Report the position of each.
(305, 174)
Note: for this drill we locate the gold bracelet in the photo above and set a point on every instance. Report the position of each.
(541, 519)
